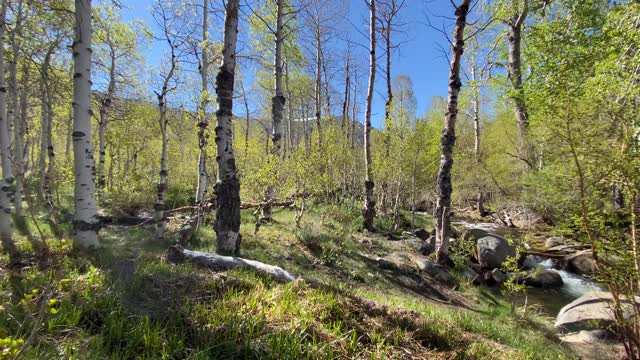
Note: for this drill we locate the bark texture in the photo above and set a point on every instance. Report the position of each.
(227, 225)
(6, 182)
(277, 102)
(86, 224)
(514, 68)
(18, 125)
(105, 106)
(369, 211)
(203, 123)
(443, 187)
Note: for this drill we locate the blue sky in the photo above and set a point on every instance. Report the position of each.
(419, 56)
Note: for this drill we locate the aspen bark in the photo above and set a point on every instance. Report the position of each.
(105, 106)
(443, 187)
(476, 132)
(159, 207)
(318, 84)
(18, 151)
(227, 225)
(277, 104)
(86, 224)
(290, 107)
(203, 123)
(6, 236)
(369, 211)
(514, 69)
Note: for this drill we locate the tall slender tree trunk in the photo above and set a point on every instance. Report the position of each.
(159, 206)
(6, 236)
(347, 96)
(247, 119)
(203, 122)
(327, 88)
(105, 106)
(51, 163)
(290, 107)
(24, 120)
(42, 155)
(354, 108)
(476, 133)
(277, 105)
(227, 187)
(18, 151)
(86, 224)
(514, 68)
(369, 212)
(443, 187)
(318, 92)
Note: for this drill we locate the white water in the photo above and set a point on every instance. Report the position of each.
(551, 299)
(574, 285)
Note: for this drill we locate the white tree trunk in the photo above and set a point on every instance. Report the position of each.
(17, 117)
(443, 187)
(105, 106)
(369, 211)
(227, 187)
(159, 206)
(203, 123)
(86, 224)
(7, 176)
(318, 84)
(277, 105)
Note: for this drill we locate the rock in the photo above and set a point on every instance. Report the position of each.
(438, 272)
(561, 250)
(498, 276)
(544, 279)
(386, 264)
(553, 241)
(581, 262)
(586, 337)
(422, 234)
(524, 218)
(493, 250)
(474, 234)
(470, 275)
(426, 248)
(592, 311)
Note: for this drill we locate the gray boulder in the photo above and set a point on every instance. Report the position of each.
(592, 311)
(474, 234)
(553, 241)
(544, 279)
(581, 262)
(493, 250)
(498, 276)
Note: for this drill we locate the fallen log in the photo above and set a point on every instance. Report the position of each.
(289, 203)
(244, 205)
(546, 254)
(178, 254)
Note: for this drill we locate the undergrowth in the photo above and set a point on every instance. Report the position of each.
(125, 302)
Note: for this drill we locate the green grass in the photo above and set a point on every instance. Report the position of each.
(126, 302)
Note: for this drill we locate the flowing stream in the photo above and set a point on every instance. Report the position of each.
(551, 300)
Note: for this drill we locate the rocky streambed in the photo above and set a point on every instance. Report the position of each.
(560, 284)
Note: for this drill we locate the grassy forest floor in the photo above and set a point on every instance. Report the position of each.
(126, 302)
